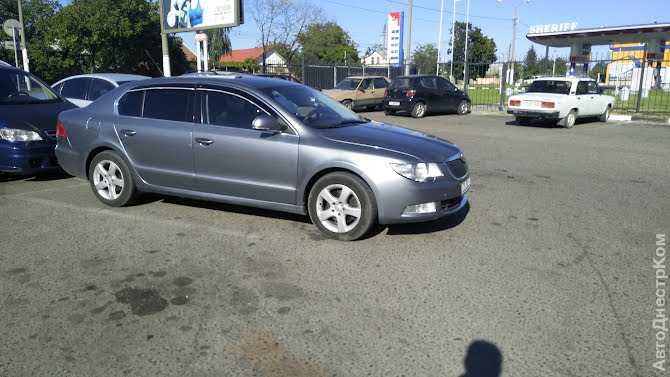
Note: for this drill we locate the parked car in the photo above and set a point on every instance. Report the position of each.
(281, 76)
(360, 91)
(265, 143)
(84, 89)
(28, 114)
(423, 94)
(561, 99)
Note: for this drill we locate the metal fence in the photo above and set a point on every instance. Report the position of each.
(327, 76)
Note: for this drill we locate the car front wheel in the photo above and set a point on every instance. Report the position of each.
(111, 180)
(342, 206)
(463, 107)
(605, 115)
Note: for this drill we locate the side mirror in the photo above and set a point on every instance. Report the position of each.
(265, 122)
(601, 91)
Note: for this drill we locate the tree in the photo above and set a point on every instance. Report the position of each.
(560, 67)
(218, 44)
(481, 50)
(328, 43)
(599, 69)
(530, 64)
(281, 21)
(425, 58)
(105, 36)
(377, 47)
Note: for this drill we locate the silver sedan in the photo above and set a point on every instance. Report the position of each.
(264, 143)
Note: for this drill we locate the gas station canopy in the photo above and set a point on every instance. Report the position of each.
(603, 35)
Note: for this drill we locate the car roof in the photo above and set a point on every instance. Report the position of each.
(239, 81)
(563, 78)
(109, 77)
(365, 77)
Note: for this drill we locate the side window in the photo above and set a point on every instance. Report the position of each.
(444, 84)
(75, 88)
(58, 88)
(593, 88)
(131, 104)
(365, 84)
(582, 87)
(168, 104)
(227, 109)
(428, 82)
(380, 83)
(99, 87)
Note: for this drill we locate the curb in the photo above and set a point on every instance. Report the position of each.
(621, 118)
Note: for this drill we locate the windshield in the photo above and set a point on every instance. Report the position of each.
(550, 86)
(19, 87)
(312, 107)
(348, 84)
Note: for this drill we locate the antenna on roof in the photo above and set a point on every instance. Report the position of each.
(153, 61)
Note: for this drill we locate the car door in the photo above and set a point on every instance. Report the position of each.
(449, 94)
(233, 159)
(75, 90)
(431, 93)
(596, 100)
(380, 85)
(155, 128)
(365, 93)
(584, 99)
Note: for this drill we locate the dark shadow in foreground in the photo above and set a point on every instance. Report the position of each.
(41, 177)
(483, 359)
(444, 223)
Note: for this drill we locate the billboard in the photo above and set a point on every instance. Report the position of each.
(394, 37)
(188, 15)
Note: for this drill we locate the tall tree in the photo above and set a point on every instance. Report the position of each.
(481, 50)
(328, 43)
(218, 44)
(559, 67)
(425, 58)
(377, 47)
(531, 66)
(598, 71)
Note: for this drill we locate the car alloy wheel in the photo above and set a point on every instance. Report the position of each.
(348, 104)
(605, 115)
(463, 107)
(111, 180)
(570, 119)
(419, 110)
(342, 206)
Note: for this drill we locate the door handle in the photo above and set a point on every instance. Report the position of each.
(128, 132)
(203, 141)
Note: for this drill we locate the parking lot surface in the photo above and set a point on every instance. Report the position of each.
(548, 272)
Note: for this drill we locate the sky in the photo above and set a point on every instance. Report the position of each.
(365, 20)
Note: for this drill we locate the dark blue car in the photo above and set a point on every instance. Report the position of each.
(28, 114)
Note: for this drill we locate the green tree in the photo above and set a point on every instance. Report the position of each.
(481, 50)
(598, 69)
(377, 47)
(425, 58)
(530, 66)
(328, 43)
(559, 67)
(218, 44)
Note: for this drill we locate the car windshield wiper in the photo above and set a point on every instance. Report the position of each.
(352, 121)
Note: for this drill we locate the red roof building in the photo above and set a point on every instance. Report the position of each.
(239, 56)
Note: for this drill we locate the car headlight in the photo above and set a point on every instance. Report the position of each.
(417, 172)
(15, 134)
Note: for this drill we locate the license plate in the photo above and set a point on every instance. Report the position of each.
(394, 103)
(531, 103)
(465, 186)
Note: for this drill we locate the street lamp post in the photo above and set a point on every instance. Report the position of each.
(24, 50)
(439, 40)
(516, 21)
(453, 40)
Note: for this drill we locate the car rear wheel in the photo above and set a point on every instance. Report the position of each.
(342, 206)
(389, 112)
(463, 107)
(111, 180)
(605, 115)
(419, 110)
(569, 119)
(348, 104)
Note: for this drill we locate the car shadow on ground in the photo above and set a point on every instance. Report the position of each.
(43, 177)
(438, 225)
(545, 123)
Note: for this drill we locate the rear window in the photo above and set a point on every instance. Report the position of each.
(550, 86)
(402, 83)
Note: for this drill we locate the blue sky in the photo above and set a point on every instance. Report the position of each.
(364, 20)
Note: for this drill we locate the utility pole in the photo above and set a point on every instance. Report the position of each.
(516, 21)
(24, 50)
(466, 74)
(453, 41)
(409, 39)
(439, 39)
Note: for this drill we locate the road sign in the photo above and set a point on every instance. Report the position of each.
(11, 24)
(10, 45)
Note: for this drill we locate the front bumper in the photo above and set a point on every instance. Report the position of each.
(534, 113)
(27, 158)
(398, 194)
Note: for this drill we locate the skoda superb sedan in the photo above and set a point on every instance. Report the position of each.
(260, 142)
(28, 114)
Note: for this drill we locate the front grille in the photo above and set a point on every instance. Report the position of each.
(51, 134)
(458, 168)
(450, 204)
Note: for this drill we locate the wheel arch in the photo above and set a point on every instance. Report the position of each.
(323, 172)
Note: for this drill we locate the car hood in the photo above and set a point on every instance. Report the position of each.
(33, 117)
(339, 94)
(376, 135)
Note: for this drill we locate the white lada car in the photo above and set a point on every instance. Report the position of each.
(563, 99)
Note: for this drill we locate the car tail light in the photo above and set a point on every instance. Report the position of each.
(514, 102)
(410, 93)
(60, 130)
(548, 105)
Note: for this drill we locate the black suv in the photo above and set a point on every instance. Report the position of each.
(420, 94)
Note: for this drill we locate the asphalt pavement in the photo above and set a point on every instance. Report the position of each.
(547, 272)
